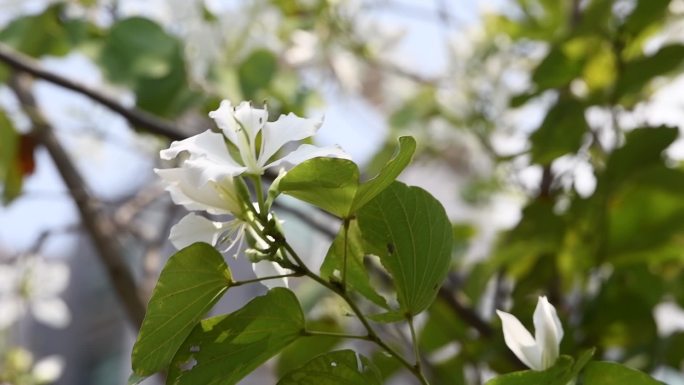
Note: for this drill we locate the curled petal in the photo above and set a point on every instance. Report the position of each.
(207, 144)
(520, 341)
(224, 116)
(286, 129)
(251, 119)
(306, 152)
(186, 189)
(548, 331)
(194, 228)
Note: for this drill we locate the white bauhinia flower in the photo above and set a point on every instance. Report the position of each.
(33, 285)
(541, 351)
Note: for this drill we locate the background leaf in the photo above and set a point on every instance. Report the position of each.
(192, 281)
(411, 233)
(611, 373)
(224, 349)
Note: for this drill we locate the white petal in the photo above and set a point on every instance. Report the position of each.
(11, 308)
(52, 312)
(9, 278)
(186, 189)
(49, 278)
(194, 228)
(286, 129)
(520, 341)
(268, 269)
(48, 369)
(306, 152)
(207, 144)
(548, 331)
(224, 116)
(251, 119)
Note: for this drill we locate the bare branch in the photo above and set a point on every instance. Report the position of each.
(134, 116)
(99, 226)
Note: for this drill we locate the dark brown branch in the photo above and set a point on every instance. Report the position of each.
(99, 226)
(135, 117)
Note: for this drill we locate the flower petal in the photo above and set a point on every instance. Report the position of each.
(548, 331)
(286, 129)
(207, 144)
(194, 228)
(306, 152)
(48, 278)
(251, 119)
(184, 185)
(269, 269)
(12, 307)
(520, 341)
(52, 312)
(224, 116)
(48, 369)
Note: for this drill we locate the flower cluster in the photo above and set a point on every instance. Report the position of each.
(541, 351)
(207, 177)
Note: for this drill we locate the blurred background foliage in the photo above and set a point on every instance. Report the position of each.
(552, 107)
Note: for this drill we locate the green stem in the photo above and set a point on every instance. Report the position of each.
(260, 196)
(344, 259)
(372, 335)
(259, 279)
(311, 333)
(416, 351)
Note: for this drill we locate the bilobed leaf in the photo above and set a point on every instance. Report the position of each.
(560, 133)
(411, 233)
(558, 374)
(612, 373)
(342, 367)
(389, 173)
(356, 276)
(192, 281)
(224, 349)
(328, 183)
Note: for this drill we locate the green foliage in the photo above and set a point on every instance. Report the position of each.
(192, 281)
(334, 368)
(333, 184)
(563, 372)
(256, 72)
(611, 373)
(140, 54)
(411, 233)
(560, 133)
(224, 349)
(10, 171)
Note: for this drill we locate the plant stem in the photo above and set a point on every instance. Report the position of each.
(311, 333)
(416, 351)
(344, 259)
(260, 196)
(372, 335)
(259, 279)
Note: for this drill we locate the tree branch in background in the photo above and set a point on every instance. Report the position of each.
(134, 116)
(99, 226)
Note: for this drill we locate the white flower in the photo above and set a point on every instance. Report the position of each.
(48, 369)
(540, 352)
(34, 285)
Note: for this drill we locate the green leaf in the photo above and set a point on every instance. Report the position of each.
(305, 349)
(192, 281)
(560, 133)
(389, 173)
(643, 148)
(224, 349)
(333, 184)
(611, 373)
(556, 70)
(135, 379)
(356, 276)
(558, 374)
(10, 171)
(139, 53)
(644, 14)
(411, 233)
(328, 183)
(335, 368)
(637, 73)
(256, 72)
(38, 35)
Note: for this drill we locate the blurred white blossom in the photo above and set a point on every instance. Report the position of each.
(34, 285)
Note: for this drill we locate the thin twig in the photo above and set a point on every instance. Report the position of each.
(134, 116)
(100, 227)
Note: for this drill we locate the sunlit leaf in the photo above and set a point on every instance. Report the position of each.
(411, 233)
(224, 349)
(612, 373)
(192, 281)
